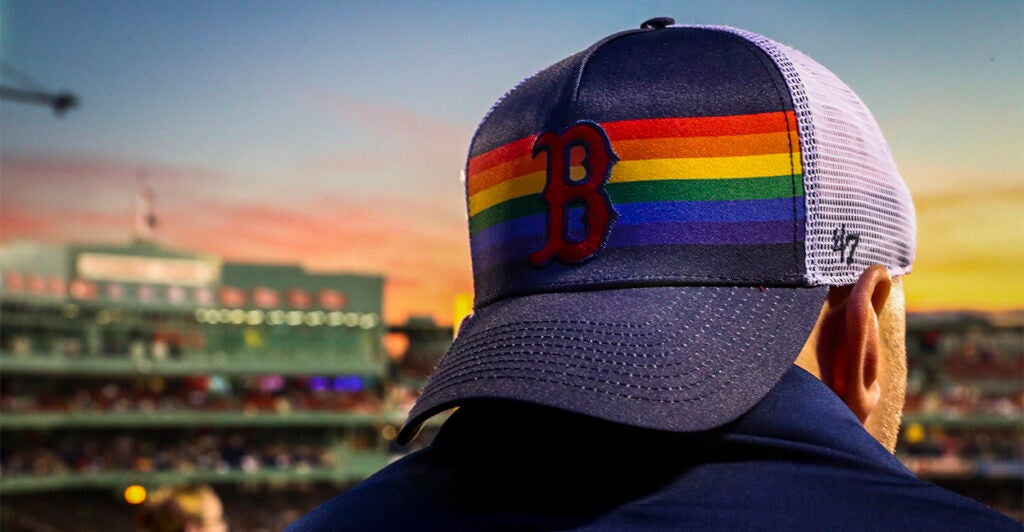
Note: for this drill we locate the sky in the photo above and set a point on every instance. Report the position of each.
(333, 134)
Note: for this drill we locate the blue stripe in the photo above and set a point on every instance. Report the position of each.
(732, 211)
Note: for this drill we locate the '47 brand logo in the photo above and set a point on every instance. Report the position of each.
(844, 243)
(566, 196)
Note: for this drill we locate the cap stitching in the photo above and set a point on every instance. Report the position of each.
(511, 342)
(485, 367)
(506, 334)
(594, 389)
(458, 368)
(481, 360)
(687, 276)
(578, 74)
(560, 325)
(581, 322)
(458, 378)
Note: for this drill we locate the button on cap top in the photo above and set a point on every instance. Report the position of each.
(657, 23)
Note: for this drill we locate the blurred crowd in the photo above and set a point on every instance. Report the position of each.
(267, 393)
(149, 451)
(965, 402)
(964, 407)
(940, 451)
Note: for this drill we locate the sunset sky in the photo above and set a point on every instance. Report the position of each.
(332, 134)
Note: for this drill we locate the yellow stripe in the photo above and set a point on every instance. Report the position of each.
(649, 170)
(706, 168)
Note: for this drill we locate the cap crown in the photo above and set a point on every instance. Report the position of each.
(681, 156)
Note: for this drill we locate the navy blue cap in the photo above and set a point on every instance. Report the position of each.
(655, 223)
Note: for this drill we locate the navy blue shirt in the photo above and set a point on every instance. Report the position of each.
(799, 460)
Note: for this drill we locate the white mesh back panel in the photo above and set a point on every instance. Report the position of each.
(856, 199)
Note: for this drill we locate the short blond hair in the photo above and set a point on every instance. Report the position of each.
(171, 508)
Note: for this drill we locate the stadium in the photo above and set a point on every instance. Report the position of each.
(137, 365)
(142, 366)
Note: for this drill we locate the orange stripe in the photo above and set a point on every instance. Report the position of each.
(711, 126)
(685, 147)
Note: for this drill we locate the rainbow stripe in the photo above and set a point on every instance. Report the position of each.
(726, 180)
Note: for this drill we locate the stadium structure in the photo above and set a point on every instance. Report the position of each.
(141, 366)
(138, 365)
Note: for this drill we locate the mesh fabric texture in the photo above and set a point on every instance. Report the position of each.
(859, 210)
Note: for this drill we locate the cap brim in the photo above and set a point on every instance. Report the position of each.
(669, 358)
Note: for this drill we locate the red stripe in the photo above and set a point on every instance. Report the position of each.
(713, 126)
(512, 150)
(710, 126)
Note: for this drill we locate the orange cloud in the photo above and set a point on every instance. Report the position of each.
(424, 258)
(410, 150)
(24, 225)
(389, 121)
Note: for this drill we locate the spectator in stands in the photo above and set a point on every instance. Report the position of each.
(182, 509)
(660, 342)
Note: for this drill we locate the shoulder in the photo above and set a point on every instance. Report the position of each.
(404, 495)
(895, 502)
(590, 475)
(917, 503)
(799, 487)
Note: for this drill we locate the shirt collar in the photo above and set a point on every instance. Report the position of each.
(800, 412)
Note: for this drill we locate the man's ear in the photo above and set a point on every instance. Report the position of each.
(849, 345)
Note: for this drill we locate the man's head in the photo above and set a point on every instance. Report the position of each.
(656, 223)
(183, 509)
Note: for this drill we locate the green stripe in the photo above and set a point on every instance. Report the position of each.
(506, 210)
(654, 191)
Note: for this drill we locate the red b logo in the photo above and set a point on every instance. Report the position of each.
(562, 193)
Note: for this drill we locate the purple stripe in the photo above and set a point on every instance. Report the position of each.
(677, 233)
(771, 232)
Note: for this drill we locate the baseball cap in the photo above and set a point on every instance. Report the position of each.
(655, 223)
